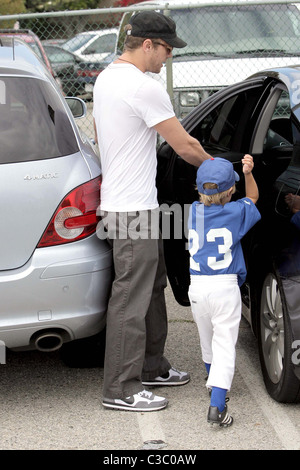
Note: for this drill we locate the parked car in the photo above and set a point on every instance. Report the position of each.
(225, 42)
(93, 46)
(89, 71)
(55, 272)
(66, 66)
(260, 116)
(53, 42)
(34, 42)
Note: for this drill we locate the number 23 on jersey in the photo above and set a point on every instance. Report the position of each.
(221, 248)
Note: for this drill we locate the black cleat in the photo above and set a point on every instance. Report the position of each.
(215, 416)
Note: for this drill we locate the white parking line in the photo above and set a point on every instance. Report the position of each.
(150, 429)
(274, 412)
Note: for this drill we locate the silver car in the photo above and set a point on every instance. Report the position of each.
(55, 273)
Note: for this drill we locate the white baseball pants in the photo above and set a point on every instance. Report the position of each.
(216, 307)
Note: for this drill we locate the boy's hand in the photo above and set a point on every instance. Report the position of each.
(248, 164)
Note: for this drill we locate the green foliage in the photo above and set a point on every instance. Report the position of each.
(61, 5)
(11, 7)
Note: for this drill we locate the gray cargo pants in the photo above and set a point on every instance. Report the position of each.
(136, 316)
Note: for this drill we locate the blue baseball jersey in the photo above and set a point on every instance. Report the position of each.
(296, 219)
(215, 234)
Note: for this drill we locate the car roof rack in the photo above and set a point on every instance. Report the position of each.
(4, 41)
(16, 31)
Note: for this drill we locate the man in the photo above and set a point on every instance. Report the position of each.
(129, 109)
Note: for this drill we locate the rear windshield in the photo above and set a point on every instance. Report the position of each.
(33, 122)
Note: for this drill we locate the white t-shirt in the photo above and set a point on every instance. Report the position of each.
(127, 104)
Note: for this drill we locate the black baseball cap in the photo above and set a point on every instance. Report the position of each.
(151, 24)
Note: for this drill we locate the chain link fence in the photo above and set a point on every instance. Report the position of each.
(226, 42)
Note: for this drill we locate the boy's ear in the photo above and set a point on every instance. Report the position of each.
(230, 190)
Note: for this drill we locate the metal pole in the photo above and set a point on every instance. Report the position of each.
(169, 71)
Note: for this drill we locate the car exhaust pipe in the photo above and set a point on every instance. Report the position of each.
(48, 341)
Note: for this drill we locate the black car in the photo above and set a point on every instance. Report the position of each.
(260, 116)
(89, 71)
(66, 66)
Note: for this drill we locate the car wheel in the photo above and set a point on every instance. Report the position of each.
(275, 343)
(86, 352)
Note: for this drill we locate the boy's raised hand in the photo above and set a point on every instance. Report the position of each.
(248, 164)
(250, 184)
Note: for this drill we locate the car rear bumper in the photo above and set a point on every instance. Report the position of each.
(69, 296)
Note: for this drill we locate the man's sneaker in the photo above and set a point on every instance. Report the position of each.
(221, 418)
(172, 377)
(141, 401)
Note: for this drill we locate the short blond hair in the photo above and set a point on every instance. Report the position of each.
(216, 198)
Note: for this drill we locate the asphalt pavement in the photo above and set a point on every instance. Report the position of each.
(47, 406)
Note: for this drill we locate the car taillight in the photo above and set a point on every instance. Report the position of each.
(75, 217)
(88, 73)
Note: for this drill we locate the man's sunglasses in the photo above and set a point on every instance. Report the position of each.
(168, 48)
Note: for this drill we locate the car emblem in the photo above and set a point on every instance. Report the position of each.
(42, 176)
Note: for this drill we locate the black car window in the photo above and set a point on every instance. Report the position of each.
(278, 141)
(280, 129)
(219, 131)
(33, 122)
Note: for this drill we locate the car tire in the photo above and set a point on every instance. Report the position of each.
(86, 352)
(275, 343)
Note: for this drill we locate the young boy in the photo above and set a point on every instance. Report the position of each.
(217, 269)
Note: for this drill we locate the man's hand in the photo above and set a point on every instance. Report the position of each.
(293, 202)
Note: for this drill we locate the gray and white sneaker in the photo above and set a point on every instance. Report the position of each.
(215, 416)
(141, 401)
(172, 377)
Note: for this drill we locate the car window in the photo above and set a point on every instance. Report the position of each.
(219, 131)
(104, 43)
(280, 129)
(78, 41)
(33, 122)
(58, 55)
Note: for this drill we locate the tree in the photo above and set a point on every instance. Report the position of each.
(12, 7)
(61, 5)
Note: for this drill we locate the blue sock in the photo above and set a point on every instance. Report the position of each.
(207, 367)
(218, 396)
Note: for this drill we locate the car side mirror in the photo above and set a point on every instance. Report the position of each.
(77, 107)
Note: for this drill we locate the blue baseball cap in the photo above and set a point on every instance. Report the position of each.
(216, 170)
